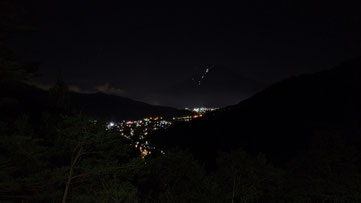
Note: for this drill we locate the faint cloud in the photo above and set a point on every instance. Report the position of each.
(106, 88)
(39, 85)
(77, 89)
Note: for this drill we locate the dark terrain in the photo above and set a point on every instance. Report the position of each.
(281, 120)
(97, 105)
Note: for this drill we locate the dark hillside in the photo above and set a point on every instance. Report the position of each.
(281, 119)
(30, 99)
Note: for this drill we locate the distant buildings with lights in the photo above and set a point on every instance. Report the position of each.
(137, 130)
(201, 110)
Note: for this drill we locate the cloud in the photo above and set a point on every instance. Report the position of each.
(39, 85)
(77, 89)
(106, 88)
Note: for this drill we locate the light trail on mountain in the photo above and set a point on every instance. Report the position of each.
(202, 77)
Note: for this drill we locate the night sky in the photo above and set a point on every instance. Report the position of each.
(139, 52)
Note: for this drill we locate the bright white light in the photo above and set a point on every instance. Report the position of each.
(111, 124)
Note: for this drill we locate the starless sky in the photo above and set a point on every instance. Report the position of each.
(140, 50)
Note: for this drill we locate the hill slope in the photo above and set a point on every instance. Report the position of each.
(31, 99)
(282, 119)
(216, 86)
(118, 108)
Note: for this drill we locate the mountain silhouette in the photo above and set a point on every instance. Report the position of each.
(116, 107)
(26, 98)
(215, 86)
(280, 120)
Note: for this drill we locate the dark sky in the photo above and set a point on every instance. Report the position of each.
(141, 50)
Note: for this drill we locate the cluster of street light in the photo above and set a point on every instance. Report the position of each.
(138, 130)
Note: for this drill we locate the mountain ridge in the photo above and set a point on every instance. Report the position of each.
(216, 86)
(282, 118)
(98, 105)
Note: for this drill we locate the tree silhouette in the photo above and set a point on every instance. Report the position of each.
(59, 95)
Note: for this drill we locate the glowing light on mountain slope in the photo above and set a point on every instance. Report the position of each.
(202, 77)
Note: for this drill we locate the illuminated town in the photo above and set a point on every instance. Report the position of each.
(201, 110)
(137, 130)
